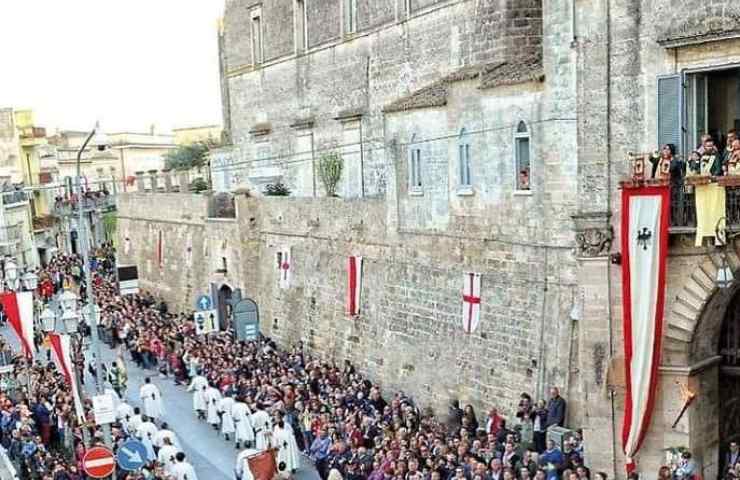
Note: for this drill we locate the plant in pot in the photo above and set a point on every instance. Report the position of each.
(277, 190)
(330, 172)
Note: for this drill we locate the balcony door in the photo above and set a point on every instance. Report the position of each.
(695, 102)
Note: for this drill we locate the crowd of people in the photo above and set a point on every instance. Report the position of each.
(258, 397)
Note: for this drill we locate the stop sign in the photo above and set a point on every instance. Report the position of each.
(98, 462)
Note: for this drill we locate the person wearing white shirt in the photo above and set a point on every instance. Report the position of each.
(135, 421)
(124, 412)
(198, 386)
(213, 396)
(262, 428)
(225, 406)
(242, 470)
(152, 399)
(242, 418)
(163, 434)
(167, 454)
(146, 433)
(182, 470)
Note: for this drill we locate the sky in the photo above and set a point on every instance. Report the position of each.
(129, 64)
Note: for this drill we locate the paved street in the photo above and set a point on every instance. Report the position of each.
(212, 457)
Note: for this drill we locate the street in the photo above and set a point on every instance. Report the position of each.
(212, 457)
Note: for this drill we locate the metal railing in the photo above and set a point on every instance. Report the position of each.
(683, 208)
(63, 208)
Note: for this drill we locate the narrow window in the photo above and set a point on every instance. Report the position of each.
(407, 7)
(521, 150)
(463, 160)
(415, 176)
(301, 26)
(257, 36)
(350, 16)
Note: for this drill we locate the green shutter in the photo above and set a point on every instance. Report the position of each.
(669, 111)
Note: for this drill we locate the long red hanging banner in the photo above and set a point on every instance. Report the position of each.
(644, 235)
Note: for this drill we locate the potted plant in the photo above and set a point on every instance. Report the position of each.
(330, 172)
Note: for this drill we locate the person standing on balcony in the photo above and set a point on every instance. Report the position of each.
(732, 158)
(711, 159)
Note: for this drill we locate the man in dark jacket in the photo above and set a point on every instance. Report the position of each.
(555, 409)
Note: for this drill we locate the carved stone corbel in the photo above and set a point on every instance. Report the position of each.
(594, 234)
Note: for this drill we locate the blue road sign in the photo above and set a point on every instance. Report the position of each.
(204, 302)
(131, 456)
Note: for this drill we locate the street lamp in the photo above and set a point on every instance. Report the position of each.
(11, 270)
(30, 281)
(91, 313)
(71, 321)
(68, 300)
(48, 320)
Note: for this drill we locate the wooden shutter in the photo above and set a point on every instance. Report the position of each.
(669, 111)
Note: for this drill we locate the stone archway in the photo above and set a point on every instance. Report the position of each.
(223, 305)
(695, 318)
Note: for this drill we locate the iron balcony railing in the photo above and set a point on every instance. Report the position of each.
(63, 208)
(683, 208)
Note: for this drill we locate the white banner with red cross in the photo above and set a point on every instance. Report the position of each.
(283, 265)
(471, 301)
(644, 235)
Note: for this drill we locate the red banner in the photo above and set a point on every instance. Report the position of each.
(645, 222)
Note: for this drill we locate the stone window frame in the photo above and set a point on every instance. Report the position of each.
(257, 39)
(416, 179)
(464, 163)
(522, 133)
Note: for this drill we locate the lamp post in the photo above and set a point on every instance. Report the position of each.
(101, 142)
(724, 277)
(11, 273)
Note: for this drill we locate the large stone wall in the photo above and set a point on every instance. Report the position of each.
(390, 55)
(409, 335)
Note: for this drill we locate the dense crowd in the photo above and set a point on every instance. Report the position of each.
(254, 392)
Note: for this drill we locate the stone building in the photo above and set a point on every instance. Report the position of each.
(491, 137)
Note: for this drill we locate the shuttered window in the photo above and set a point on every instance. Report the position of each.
(669, 111)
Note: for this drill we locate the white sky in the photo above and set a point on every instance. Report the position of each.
(128, 63)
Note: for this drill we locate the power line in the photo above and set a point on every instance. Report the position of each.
(311, 153)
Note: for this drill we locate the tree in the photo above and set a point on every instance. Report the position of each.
(330, 172)
(185, 157)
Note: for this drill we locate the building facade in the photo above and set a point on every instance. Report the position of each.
(476, 136)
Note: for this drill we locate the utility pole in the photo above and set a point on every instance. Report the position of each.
(91, 307)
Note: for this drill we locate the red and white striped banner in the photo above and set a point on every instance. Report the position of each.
(61, 349)
(284, 265)
(160, 249)
(18, 308)
(354, 284)
(471, 301)
(645, 221)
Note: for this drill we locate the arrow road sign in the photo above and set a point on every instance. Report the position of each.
(132, 455)
(204, 302)
(98, 462)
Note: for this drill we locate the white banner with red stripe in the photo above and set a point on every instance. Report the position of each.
(160, 249)
(61, 349)
(354, 285)
(645, 221)
(18, 308)
(471, 301)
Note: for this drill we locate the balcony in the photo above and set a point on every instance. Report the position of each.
(13, 198)
(683, 209)
(32, 132)
(102, 202)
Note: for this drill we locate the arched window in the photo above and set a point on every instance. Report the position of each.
(463, 160)
(415, 166)
(521, 152)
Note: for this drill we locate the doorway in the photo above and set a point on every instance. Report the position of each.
(224, 307)
(712, 105)
(729, 381)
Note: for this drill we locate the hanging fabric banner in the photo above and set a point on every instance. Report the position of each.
(160, 249)
(471, 301)
(644, 232)
(284, 266)
(354, 285)
(18, 308)
(61, 348)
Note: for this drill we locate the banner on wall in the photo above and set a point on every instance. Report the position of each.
(645, 221)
